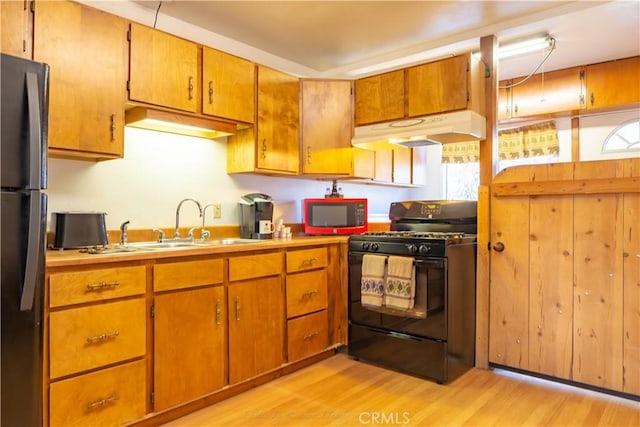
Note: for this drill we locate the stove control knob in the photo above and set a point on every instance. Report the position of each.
(365, 245)
(413, 249)
(423, 249)
(374, 247)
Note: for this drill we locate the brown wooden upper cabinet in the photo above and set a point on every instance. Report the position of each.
(271, 146)
(379, 98)
(401, 166)
(16, 30)
(613, 83)
(326, 129)
(229, 86)
(448, 85)
(87, 52)
(555, 91)
(163, 69)
(451, 84)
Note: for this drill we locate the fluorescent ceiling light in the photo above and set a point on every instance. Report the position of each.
(181, 124)
(522, 47)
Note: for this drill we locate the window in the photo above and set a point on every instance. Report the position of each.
(625, 137)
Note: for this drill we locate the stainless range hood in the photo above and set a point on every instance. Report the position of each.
(458, 126)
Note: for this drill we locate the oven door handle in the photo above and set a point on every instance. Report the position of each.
(429, 263)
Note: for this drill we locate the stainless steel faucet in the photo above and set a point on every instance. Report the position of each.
(176, 235)
(204, 233)
(123, 232)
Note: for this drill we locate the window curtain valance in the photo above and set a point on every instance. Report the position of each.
(528, 141)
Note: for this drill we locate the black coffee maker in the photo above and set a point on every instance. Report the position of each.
(256, 216)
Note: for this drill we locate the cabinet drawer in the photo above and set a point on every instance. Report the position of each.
(187, 274)
(307, 335)
(90, 337)
(249, 267)
(306, 259)
(94, 285)
(306, 292)
(111, 396)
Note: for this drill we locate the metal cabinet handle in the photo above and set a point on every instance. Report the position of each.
(309, 293)
(308, 261)
(102, 337)
(309, 336)
(101, 286)
(592, 98)
(309, 155)
(237, 308)
(190, 88)
(113, 127)
(498, 247)
(218, 312)
(263, 151)
(210, 92)
(102, 402)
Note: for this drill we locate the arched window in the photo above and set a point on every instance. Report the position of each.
(625, 137)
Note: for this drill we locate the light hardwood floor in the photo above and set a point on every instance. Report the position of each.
(342, 392)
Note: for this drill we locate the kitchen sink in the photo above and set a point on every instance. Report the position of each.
(169, 245)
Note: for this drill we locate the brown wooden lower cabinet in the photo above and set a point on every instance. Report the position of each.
(151, 337)
(564, 295)
(111, 396)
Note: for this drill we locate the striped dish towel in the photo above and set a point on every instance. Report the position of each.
(400, 283)
(372, 281)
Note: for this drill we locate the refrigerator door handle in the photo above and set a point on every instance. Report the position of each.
(35, 131)
(32, 267)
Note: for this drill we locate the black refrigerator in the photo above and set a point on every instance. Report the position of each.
(24, 96)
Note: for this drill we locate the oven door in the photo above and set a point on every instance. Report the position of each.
(428, 317)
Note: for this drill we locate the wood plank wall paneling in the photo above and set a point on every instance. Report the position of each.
(631, 298)
(597, 338)
(580, 297)
(483, 279)
(550, 286)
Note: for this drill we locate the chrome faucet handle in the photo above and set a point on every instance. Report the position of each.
(190, 233)
(123, 232)
(160, 234)
(204, 234)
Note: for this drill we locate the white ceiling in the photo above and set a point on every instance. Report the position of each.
(348, 39)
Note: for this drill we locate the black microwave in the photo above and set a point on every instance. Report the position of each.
(335, 216)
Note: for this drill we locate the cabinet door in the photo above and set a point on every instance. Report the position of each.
(189, 345)
(326, 127)
(278, 114)
(229, 86)
(613, 83)
(550, 92)
(16, 29)
(384, 165)
(419, 166)
(86, 49)
(163, 69)
(402, 165)
(504, 99)
(438, 86)
(256, 327)
(379, 98)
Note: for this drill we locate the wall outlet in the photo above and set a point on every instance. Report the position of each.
(217, 211)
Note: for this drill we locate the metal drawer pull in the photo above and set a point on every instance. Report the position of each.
(190, 88)
(311, 335)
(309, 293)
(237, 308)
(210, 92)
(101, 403)
(308, 261)
(91, 287)
(102, 337)
(218, 312)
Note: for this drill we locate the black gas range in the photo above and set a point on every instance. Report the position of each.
(435, 337)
